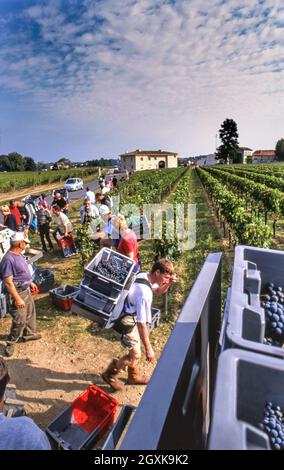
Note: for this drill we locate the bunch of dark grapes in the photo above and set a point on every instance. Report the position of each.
(114, 269)
(273, 304)
(273, 424)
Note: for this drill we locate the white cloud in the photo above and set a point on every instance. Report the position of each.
(184, 65)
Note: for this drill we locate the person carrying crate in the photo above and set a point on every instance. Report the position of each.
(132, 323)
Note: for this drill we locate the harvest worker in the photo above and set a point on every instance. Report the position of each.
(14, 270)
(60, 201)
(19, 433)
(132, 324)
(64, 226)
(127, 244)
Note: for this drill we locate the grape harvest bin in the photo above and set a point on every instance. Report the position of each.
(245, 382)
(245, 324)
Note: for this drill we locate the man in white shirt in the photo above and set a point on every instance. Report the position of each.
(88, 212)
(64, 226)
(90, 195)
(133, 323)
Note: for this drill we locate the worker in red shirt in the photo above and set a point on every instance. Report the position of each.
(15, 211)
(128, 244)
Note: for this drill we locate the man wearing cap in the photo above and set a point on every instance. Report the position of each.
(14, 270)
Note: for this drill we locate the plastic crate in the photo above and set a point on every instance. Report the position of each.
(5, 236)
(245, 381)
(12, 406)
(85, 421)
(101, 285)
(99, 302)
(44, 279)
(156, 316)
(32, 255)
(67, 246)
(120, 426)
(106, 255)
(245, 324)
(62, 297)
(79, 308)
(3, 305)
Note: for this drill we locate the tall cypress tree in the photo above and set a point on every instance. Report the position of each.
(279, 150)
(229, 149)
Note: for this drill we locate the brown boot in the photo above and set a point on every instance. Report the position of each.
(135, 378)
(109, 376)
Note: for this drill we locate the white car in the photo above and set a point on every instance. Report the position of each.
(74, 184)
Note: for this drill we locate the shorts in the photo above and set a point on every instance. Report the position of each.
(131, 340)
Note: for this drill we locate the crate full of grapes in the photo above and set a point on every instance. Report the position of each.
(255, 317)
(108, 265)
(248, 405)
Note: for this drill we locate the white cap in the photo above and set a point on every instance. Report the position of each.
(19, 237)
(103, 209)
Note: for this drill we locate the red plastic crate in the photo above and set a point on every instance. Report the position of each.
(94, 408)
(64, 304)
(35, 291)
(66, 242)
(85, 421)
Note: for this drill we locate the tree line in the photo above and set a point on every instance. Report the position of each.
(15, 162)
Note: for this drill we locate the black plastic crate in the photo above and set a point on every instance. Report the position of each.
(120, 426)
(62, 297)
(44, 279)
(12, 406)
(3, 305)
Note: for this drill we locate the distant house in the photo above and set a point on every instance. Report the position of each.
(244, 153)
(148, 160)
(264, 156)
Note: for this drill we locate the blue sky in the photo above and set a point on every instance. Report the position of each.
(92, 78)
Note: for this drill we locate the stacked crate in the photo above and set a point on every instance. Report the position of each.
(106, 277)
(248, 397)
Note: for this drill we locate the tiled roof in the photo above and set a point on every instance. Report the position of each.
(264, 153)
(147, 153)
(245, 148)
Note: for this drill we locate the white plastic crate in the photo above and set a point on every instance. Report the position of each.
(120, 263)
(5, 236)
